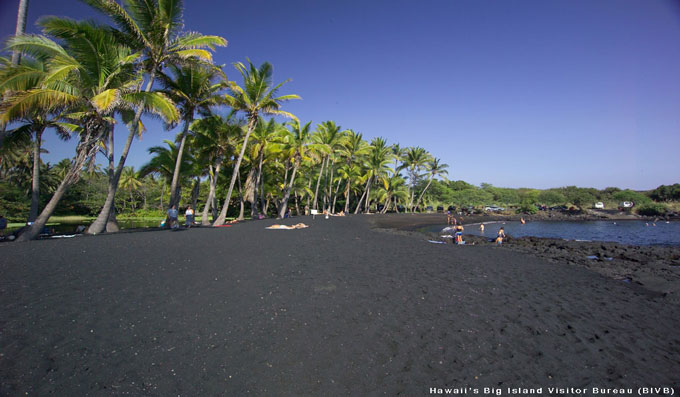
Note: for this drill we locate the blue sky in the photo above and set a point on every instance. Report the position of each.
(513, 93)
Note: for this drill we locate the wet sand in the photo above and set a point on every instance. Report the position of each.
(335, 309)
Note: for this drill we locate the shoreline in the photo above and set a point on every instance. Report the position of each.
(653, 268)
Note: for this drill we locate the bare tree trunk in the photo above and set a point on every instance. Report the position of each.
(101, 223)
(335, 195)
(368, 196)
(22, 14)
(309, 185)
(111, 222)
(174, 199)
(347, 195)
(386, 205)
(35, 183)
(286, 193)
(318, 182)
(211, 194)
(87, 148)
(195, 192)
(241, 199)
(223, 214)
(424, 190)
(356, 211)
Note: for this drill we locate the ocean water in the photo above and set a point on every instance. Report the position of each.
(625, 232)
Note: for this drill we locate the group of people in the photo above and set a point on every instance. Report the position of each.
(173, 215)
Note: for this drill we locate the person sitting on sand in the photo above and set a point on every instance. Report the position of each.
(286, 227)
(172, 217)
(500, 237)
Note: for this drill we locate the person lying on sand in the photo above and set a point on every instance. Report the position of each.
(341, 213)
(286, 227)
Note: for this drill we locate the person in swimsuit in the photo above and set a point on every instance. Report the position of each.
(500, 236)
(296, 226)
(459, 234)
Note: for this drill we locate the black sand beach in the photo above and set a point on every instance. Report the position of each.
(334, 309)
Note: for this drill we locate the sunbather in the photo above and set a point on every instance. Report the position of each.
(296, 226)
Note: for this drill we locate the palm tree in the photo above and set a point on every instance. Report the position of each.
(435, 168)
(327, 139)
(36, 121)
(130, 181)
(152, 27)
(91, 76)
(296, 147)
(394, 187)
(22, 14)
(378, 166)
(162, 162)
(266, 138)
(354, 147)
(415, 159)
(215, 139)
(194, 87)
(257, 96)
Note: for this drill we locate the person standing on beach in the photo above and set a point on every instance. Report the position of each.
(459, 234)
(172, 217)
(189, 214)
(500, 237)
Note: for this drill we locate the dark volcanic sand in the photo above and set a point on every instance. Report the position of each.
(334, 309)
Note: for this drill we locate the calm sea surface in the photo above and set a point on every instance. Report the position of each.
(625, 232)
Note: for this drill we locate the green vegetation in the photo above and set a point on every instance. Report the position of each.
(80, 77)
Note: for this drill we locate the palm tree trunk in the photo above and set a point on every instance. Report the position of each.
(309, 186)
(223, 214)
(396, 206)
(347, 195)
(22, 14)
(111, 222)
(174, 199)
(242, 199)
(368, 197)
(318, 182)
(329, 185)
(424, 190)
(386, 205)
(87, 148)
(356, 211)
(35, 183)
(286, 194)
(101, 223)
(297, 204)
(335, 195)
(195, 191)
(211, 194)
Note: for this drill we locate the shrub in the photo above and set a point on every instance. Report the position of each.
(527, 207)
(652, 209)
